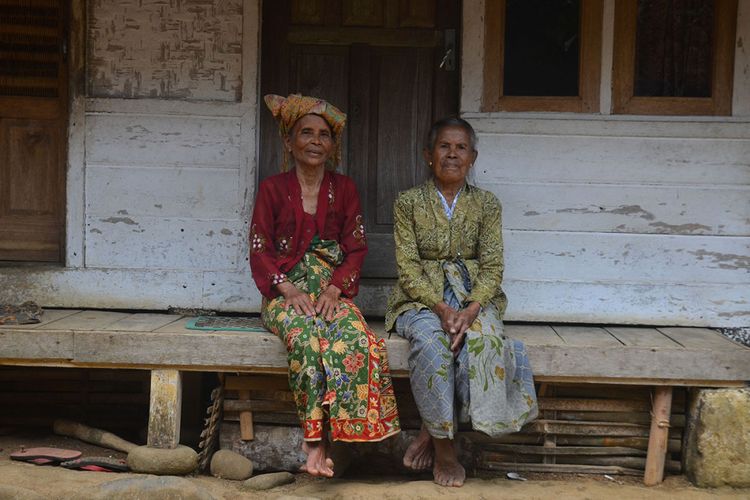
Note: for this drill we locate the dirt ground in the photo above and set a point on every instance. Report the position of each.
(53, 483)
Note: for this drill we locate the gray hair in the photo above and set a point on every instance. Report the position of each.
(450, 121)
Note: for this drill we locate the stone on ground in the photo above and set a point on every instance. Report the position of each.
(268, 481)
(718, 444)
(152, 488)
(226, 464)
(164, 462)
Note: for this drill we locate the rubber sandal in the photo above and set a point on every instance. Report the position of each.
(99, 464)
(45, 456)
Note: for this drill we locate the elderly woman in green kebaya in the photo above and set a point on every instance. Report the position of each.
(449, 305)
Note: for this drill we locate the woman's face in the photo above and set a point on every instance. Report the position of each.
(310, 142)
(451, 156)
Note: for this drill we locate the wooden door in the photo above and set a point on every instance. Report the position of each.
(380, 61)
(33, 129)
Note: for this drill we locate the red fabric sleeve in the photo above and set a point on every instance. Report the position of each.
(352, 240)
(262, 236)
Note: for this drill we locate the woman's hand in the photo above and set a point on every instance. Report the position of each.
(464, 319)
(328, 302)
(296, 298)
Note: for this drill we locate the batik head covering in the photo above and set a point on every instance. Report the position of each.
(287, 110)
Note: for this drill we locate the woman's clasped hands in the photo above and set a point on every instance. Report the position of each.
(327, 304)
(455, 322)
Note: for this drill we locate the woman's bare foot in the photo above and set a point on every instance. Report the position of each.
(318, 463)
(420, 453)
(447, 471)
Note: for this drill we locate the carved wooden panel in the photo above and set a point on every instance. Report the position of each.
(417, 13)
(363, 12)
(309, 12)
(176, 50)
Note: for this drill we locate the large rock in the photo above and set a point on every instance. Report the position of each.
(227, 464)
(718, 441)
(268, 481)
(152, 488)
(164, 462)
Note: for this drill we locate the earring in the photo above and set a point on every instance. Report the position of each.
(430, 163)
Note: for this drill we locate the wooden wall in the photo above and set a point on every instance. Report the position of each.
(607, 218)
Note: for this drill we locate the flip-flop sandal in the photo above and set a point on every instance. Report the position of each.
(45, 456)
(99, 464)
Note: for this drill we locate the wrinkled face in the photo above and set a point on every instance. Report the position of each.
(310, 142)
(451, 156)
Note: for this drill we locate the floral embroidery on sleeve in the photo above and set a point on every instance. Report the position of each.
(359, 230)
(284, 244)
(278, 278)
(257, 241)
(350, 280)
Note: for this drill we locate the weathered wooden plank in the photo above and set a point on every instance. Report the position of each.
(48, 316)
(142, 322)
(646, 258)
(623, 303)
(619, 159)
(641, 337)
(128, 139)
(202, 193)
(23, 344)
(122, 241)
(254, 352)
(165, 409)
(586, 336)
(647, 364)
(93, 288)
(702, 338)
(533, 334)
(85, 320)
(618, 208)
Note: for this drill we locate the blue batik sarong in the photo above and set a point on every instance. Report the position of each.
(489, 382)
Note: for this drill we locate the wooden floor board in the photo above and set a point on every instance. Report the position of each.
(534, 334)
(176, 326)
(142, 322)
(700, 338)
(48, 316)
(586, 336)
(85, 320)
(642, 337)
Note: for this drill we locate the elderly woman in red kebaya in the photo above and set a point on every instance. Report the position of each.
(307, 245)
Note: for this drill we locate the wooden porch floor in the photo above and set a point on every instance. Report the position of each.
(600, 354)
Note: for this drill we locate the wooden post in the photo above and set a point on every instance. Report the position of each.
(166, 409)
(658, 436)
(246, 419)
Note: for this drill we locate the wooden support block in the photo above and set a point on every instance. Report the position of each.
(166, 409)
(657, 439)
(246, 420)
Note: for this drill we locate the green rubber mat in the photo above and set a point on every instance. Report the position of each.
(232, 323)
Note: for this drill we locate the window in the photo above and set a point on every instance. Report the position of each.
(542, 55)
(673, 57)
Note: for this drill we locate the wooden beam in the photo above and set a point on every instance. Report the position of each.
(166, 409)
(657, 439)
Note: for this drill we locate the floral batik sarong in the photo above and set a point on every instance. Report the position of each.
(489, 382)
(337, 368)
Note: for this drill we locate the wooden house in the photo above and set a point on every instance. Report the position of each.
(133, 135)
